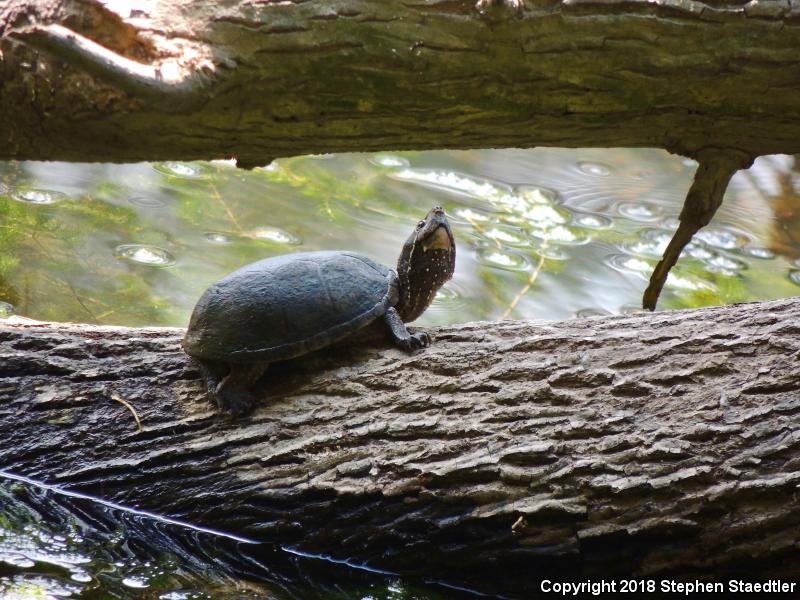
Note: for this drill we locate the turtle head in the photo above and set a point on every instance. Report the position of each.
(426, 263)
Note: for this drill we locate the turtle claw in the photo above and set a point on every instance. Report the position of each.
(234, 402)
(424, 338)
(416, 341)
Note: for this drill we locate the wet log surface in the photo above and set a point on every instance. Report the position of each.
(654, 445)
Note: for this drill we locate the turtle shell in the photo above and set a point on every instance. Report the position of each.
(288, 305)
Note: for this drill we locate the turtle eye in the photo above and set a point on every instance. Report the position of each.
(421, 224)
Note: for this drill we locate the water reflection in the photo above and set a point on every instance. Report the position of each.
(594, 168)
(274, 234)
(184, 170)
(591, 216)
(37, 196)
(54, 546)
(152, 256)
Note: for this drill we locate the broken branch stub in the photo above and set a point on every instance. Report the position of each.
(714, 171)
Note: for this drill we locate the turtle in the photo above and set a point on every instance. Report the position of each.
(288, 305)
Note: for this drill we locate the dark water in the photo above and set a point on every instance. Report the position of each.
(542, 234)
(58, 546)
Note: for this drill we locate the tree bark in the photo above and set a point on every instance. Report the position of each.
(657, 445)
(255, 81)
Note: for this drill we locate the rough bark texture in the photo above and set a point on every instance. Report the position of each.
(654, 445)
(258, 80)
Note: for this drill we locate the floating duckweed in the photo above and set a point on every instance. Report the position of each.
(217, 237)
(36, 196)
(550, 252)
(6, 309)
(639, 211)
(717, 237)
(671, 223)
(591, 221)
(80, 576)
(561, 235)
(388, 160)
(34, 587)
(591, 312)
(32, 546)
(699, 251)
(725, 265)
(688, 283)
(794, 276)
(507, 235)
(758, 252)
(146, 201)
(502, 259)
(470, 215)
(543, 216)
(274, 234)
(644, 248)
(180, 169)
(152, 256)
(135, 582)
(453, 182)
(534, 194)
(653, 242)
(594, 168)
(629, 264)
(525, 199)
(17, 560)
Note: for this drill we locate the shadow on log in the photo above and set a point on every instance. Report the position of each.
(658, 445)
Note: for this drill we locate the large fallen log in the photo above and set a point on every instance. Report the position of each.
(658, 445)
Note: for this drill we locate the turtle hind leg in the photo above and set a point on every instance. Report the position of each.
(213, 372)
(234, 394)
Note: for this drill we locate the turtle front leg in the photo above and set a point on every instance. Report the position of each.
(233, 394)
(402, 338)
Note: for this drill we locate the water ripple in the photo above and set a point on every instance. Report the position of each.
(144, 254)
(38, 196)
(275, 234)
(597, 169)
(502, 259)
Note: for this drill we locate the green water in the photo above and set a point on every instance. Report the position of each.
(541, 234)
(544, 234)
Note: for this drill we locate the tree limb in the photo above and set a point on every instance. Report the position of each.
(714, 171)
